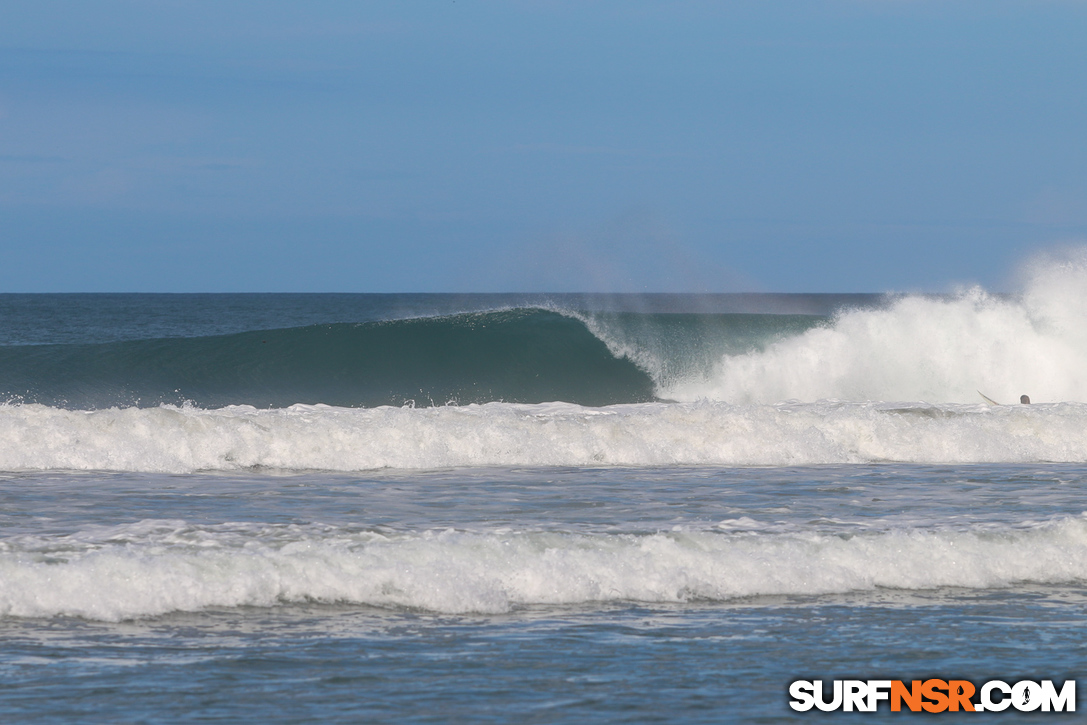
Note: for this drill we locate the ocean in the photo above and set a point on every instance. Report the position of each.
(535, 508)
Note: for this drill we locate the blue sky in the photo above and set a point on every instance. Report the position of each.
(537, 146)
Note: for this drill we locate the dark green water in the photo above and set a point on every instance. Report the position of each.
(518, 355)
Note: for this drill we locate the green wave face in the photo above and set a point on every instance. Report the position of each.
(522, 356)
(527, 355)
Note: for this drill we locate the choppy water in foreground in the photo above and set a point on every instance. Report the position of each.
(546, 595)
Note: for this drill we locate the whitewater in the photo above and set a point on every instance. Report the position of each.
(156, 567)
(170, 439)
(935, 348)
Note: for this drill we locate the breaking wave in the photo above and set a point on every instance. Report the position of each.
(303, 437)
(154, 567)
(934, 348)
(524, 356)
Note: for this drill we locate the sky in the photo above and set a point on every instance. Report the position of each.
(478, 146)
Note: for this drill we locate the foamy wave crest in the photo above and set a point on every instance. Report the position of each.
(155, 567)
(180, 440)
(925, 348)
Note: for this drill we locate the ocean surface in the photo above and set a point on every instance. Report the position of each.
(535, 508)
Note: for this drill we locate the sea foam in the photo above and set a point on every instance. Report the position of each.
(301, 437)
(937, 349)
(154, 567)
